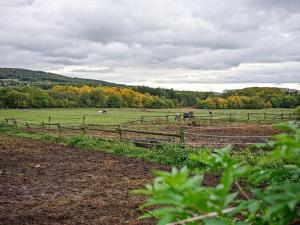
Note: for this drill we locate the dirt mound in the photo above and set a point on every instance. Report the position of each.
(44, 183)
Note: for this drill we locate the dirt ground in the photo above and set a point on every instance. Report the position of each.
(237, 135)
(47, 183)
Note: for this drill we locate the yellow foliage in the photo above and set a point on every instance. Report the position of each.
(84, 89)
(130, 97)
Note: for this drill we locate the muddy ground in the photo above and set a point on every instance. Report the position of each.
(239, 136)
(47, 183)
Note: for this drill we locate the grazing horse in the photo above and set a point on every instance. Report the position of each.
(177, 116)
(103, 112)
(188, 115)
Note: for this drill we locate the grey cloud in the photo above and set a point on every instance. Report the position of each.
(20, 3)
(93, 70)
(288, 5)
(206, 36)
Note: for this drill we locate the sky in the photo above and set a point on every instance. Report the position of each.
(182, 44)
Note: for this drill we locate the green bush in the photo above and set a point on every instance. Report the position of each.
(82, 142)
(266, 193)
(115, 147)
(169, 154)
(128, 149)
(174, 154)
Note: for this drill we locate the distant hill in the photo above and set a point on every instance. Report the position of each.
(15, 76)
(15, 91)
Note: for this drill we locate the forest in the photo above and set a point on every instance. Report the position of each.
(85, 96)
(70, 96)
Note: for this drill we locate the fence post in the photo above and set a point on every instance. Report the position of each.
(290, 116)
(282, 116)
(6, 120)
(181, 133)
(120, 132)
(15, 123)
(83, 121)
(49, 120)
(230, 117)
(248, 116)
(142, 119)
(27, 125)
(43, 125)
(59, 129)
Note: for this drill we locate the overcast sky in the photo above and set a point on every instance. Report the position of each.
(155, 42)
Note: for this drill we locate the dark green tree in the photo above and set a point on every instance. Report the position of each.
(114, 101)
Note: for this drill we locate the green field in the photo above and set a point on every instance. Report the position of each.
(116, 116)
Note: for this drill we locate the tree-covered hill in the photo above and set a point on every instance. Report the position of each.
(20, 88)
(15, 76)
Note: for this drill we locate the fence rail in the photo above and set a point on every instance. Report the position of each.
(182, 135)
(84, 128)
(172, 118)
(230, 117)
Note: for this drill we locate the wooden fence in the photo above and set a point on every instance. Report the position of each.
(184, 135)
(86, 127)
(230, 117)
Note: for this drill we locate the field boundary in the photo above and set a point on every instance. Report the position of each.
(84, 128)
(181, 135)
(227, 117)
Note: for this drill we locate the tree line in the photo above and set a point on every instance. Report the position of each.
(252, 98)
(67, 96)
(247, 98)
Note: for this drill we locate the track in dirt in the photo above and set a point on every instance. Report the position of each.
(46, 183)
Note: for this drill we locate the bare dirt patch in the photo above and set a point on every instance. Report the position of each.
(237, 135)
(47, 183)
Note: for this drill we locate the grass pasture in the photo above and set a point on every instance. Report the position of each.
(119, 116)
(155, 128)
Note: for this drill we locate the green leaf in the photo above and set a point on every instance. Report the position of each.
(253, 207)
(215, 221)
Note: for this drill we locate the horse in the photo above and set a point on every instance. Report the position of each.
(102, 111)
(188, 115)
(177, 116)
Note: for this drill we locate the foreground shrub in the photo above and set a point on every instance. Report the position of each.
(265, 193)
